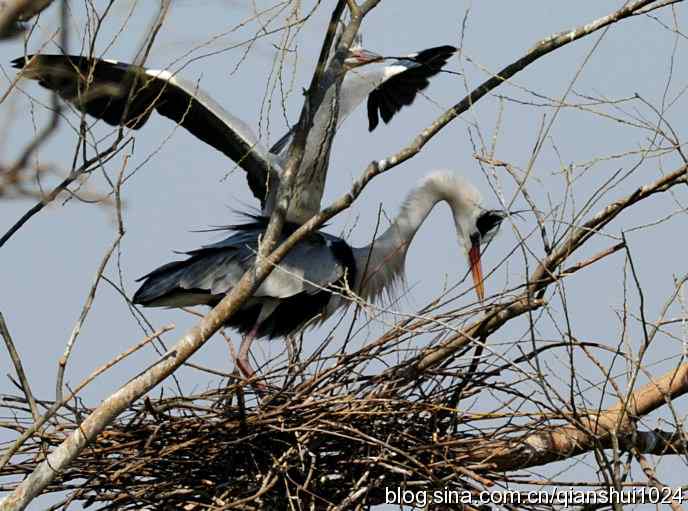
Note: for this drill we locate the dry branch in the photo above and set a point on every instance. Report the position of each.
(14, 11)
(597, 429)
(18, 367)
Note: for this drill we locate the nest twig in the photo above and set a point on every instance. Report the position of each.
(337, 440)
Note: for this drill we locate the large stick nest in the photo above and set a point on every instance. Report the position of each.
(333, 440)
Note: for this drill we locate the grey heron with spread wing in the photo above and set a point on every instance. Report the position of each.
(125, 94)
(310, 283)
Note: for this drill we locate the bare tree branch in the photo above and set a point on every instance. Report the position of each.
(552, 444)
(18, 367)
(83, 384)
(13, 11)
(62, 363)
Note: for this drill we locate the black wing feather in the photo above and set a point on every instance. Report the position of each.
(400, 90)
(101, 90)
(125, 94)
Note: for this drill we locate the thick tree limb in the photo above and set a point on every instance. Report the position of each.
(595, 430)
(14, 11)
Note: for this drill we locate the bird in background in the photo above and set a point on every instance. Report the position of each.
(312, 280)
(308, 284)
(124, 94)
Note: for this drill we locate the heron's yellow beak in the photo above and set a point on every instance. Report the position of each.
(477, 270)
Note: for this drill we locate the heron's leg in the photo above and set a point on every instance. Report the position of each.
(268, 306)
(244, 349)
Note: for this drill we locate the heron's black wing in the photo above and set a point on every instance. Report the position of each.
(401, 89)
(125, 94)
(98, 87)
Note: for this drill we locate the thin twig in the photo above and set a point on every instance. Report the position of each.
(16, 360)
(62, 364)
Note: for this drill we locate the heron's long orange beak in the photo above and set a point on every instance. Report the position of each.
(477, 270)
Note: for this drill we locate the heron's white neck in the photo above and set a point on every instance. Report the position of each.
(414, 210)
(380, 265)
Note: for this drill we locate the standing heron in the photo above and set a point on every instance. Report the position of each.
(310, 281)
(124, 94)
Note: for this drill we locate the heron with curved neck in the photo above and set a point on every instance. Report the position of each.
(306, 286)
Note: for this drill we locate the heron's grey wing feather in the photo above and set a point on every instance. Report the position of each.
(185, 103)
(307, 268)
(212, 271)
(236, 240)
(208, 274)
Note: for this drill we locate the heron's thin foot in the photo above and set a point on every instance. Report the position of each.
(248, 372)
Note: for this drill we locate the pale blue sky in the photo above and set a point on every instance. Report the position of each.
(47, 268)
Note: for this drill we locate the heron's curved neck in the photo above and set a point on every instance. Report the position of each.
(414, 210)
(381, 263)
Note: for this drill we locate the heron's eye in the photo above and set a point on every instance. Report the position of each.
(489, 221)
